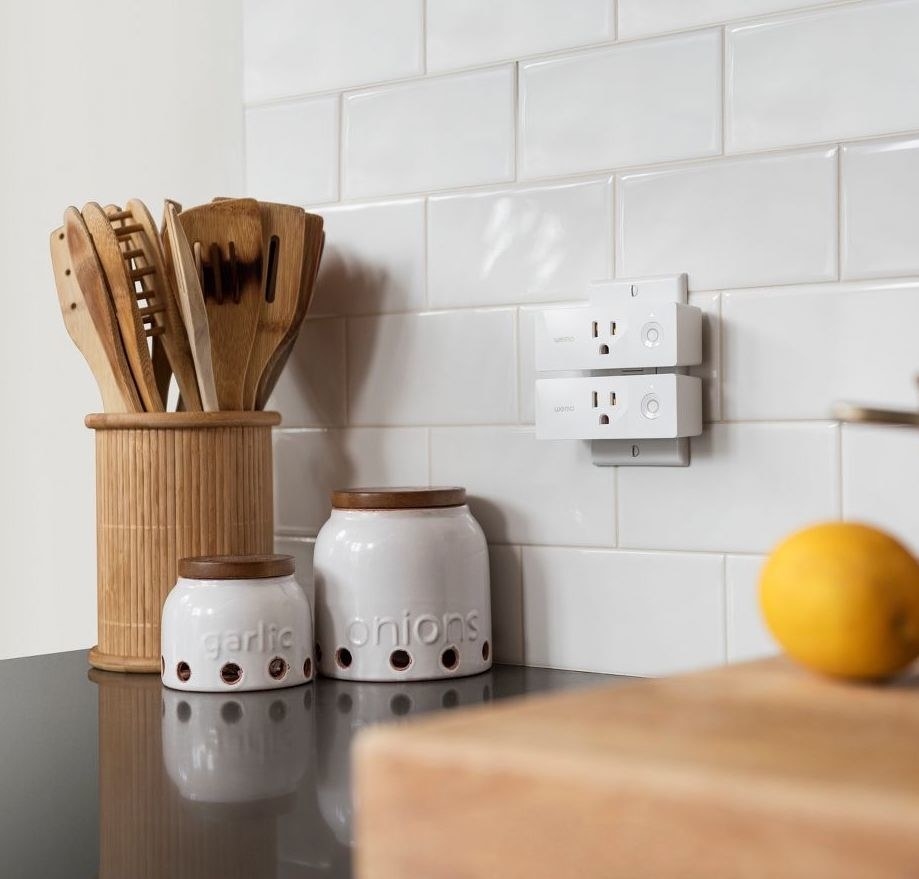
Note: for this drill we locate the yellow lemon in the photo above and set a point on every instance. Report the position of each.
(843, 599)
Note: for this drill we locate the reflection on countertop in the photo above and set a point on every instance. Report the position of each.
(199, 784)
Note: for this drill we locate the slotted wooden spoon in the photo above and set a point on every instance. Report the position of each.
(137, 323)
(105, 360)
(227, 236)
(119, 393)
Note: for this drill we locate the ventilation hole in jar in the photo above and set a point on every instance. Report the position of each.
(400, 660)
(343, 657)
(308, 668)
(183, 711)
(400, 704)
(486, 651)
(231, 673)
(183, 672)
(449, 659)
(344, 703)
(318, 653)
(450, 699)
(231, 712)
(277, 711)
(277, 668)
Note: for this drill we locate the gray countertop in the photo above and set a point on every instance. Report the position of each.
(113, 775)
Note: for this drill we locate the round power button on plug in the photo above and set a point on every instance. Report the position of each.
(650, 406)
(652, 334)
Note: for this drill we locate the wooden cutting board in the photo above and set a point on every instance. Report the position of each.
(755, 770)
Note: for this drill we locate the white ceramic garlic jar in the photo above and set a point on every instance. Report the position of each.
(236, 623)
(402, 589)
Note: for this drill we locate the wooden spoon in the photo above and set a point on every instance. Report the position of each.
(191, 306)
(137, 324)
(112, 374)
(228, 237)
(91, 283)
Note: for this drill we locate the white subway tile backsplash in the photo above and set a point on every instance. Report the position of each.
(731, 223)
(748, 636)
(463, 33)
(292, 151)
(880, 208)
(880, 472)
(525, 490)
(309, 464)
(506, 603)
(642, 17)
(373, 260)
(710, 368)
(301, 548)
(311, 391)
(622, 612)
(455, 367)
(430, 134)
(850, 71)
(519, 245)
(747, 486)
(634, 103)
(297, 46)
(792, 352)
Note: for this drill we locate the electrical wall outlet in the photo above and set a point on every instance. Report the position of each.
(629, 335)
(655, 406)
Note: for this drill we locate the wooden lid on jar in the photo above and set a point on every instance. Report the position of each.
(236, 567)
(399, 498)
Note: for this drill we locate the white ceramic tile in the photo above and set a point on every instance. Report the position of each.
(880, 472)
(710, 368)
(464, 33)
(292, 151)
(298, 46)
(525, 490)
(433, 133)
(880, 208)
(633, 103)
(521, 245)
(526, 351)
(301, 548)
(373, 259)
(455, 367)
(747, 486)
(792, 352)
(506, 603)
(849, 71)
(309, 464)
(748, 637)
(311, 390)
(639, 17)
(732, 223)
(622, 612)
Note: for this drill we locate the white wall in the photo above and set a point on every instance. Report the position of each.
(100, 100)
(476, 158)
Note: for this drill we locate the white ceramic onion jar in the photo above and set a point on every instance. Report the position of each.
(402, 588)
(236, 623)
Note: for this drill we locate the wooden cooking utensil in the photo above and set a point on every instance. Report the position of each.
(119, 393)
(137, 324)
(191, 306)
(80, 327)
(228, 237)
(286, 230)
(312, 256)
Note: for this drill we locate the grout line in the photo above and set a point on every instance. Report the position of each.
(629, 550)
(721, 356)
(840, 449)
(424, 37)
(341, 148)
(615, 20)
(617, 507)
(519, 371)
(724, 88)
(425, 257)
(839, 211)
(517, 122)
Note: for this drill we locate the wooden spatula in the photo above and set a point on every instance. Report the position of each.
(227, 236)
(112, 374)
(191, 306)
(312, 256)
(137, 324)
(91, 283)
(286, 230)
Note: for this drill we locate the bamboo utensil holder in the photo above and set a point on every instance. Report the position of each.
(171, 485)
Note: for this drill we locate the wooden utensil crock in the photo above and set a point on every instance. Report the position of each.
(171, 485)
